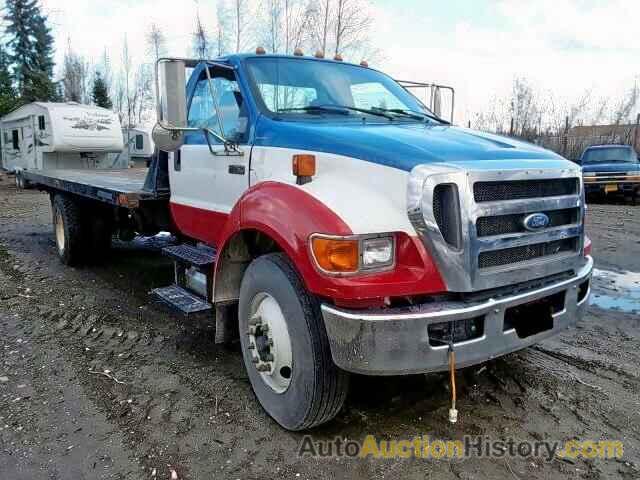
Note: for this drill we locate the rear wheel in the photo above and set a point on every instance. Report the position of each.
(285, 346)
(68, 231)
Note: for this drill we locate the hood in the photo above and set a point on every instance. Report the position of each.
(399, 145)
(610, 167)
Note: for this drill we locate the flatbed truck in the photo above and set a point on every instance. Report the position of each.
(336, 224)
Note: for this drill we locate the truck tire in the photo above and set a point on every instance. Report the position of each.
(68, 231)
(289, 362)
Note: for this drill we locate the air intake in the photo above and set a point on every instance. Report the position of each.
(446, 211)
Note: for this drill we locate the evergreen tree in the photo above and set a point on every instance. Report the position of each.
(31, 46)
(8, 99)
(100, 93)
(43, 86)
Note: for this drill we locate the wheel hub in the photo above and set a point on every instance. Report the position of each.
(269, 342)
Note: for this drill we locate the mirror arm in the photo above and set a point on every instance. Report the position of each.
(230, 148)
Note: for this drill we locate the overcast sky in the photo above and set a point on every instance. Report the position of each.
(564, 46)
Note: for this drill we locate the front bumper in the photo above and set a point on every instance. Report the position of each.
(611, 184)
(396, 341)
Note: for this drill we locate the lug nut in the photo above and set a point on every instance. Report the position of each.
(251, 347)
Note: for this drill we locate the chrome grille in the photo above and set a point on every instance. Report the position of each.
(496, 249)
(514, 223)
(508, 256)
(519, 189)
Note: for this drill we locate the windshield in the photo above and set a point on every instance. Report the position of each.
(300, 87)
(612, 154)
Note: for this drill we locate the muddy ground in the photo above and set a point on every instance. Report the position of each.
(172, 400)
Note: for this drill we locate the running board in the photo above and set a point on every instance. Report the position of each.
(200, 257)
(181, 300)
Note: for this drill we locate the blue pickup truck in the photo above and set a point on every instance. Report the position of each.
(611, 170)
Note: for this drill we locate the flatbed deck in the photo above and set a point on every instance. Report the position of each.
(121, 187)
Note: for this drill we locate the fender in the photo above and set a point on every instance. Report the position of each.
(289, 215)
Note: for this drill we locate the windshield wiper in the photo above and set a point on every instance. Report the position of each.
(343, 109)
(316, 108)
(413, 114)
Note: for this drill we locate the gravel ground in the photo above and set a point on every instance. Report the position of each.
(171, 400)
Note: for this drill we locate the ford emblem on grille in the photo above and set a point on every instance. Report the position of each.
(536, 221)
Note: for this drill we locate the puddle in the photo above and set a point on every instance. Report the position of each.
(616, 290)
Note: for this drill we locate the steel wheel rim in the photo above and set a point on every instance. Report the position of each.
(269, 343)
(59, 232)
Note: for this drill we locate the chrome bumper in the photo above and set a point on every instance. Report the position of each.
(396, 342)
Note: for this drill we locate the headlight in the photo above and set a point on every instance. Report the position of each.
(353, 254)
(377, 252)
(588, 174)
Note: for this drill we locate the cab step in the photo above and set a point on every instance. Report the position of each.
(181, 300)
(200, 256)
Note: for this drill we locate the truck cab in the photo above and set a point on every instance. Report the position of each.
(336, 224)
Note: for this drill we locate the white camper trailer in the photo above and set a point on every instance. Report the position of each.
(138, 147)
(41, 136)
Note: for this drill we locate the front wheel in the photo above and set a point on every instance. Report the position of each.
(285, 346)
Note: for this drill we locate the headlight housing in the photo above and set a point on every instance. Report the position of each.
(353, 254)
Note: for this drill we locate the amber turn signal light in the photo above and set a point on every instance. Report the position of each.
(336, 255)
(304, 165)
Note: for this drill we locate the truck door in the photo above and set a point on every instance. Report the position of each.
(202, 184)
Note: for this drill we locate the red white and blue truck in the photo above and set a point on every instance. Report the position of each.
(335, 224)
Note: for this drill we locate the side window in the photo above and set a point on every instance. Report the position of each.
(41, 125)
(202, 110)
(139, 142)
(371, 95)
(15, 139)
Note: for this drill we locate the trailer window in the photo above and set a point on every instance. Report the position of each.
(15, 139)
(139, 142)
(41, 124)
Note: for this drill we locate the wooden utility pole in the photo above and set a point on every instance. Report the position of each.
(636, 134)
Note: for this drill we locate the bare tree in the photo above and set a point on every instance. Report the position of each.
(320, 12)
(156, 42)
(125, 83)
(201, 42)
(223, 28)
(75, 76)
(234, 20)
(284, 25)
(352, 25)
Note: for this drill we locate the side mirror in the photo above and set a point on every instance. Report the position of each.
(168, 134)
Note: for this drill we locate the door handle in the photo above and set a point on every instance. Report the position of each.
(237, 169)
